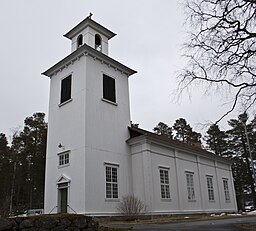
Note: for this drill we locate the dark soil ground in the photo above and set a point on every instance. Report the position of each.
(249, 226)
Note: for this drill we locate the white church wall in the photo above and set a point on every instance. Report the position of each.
(226, 174)
(137, 170)
(161, 150)
(93, 131)
(111, 118)
(165, 162)
(208, 170)
(63, 125)
(189, 166)
(187, 156)
(95, 194)
(178, 163)
(105, 135)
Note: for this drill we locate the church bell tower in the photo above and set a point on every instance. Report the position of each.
(88, 159)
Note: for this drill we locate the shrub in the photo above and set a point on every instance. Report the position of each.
(131, 207)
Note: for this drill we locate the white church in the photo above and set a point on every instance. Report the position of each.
(95, 156)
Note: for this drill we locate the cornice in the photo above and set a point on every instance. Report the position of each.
(86, 50)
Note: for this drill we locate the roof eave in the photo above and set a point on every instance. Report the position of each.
(176, 144)
(87, 50)
(88, 21)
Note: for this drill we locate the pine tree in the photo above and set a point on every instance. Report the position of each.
(163, 129)
(29, 149)
(239, 146)
(185, 133)
(216, 140)
(5, 165)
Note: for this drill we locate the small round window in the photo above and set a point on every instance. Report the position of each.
(98, 45)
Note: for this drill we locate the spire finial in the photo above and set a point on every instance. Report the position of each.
(90, 15)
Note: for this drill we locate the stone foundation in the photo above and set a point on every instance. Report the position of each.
(55, 222)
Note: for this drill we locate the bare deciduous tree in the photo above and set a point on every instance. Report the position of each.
(221, 51)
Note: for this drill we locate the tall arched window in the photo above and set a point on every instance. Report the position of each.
(98, 45)
(79, 41)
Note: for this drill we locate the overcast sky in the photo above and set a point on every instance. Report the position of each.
(149, 37)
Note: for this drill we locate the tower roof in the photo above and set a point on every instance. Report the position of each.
(89, 22)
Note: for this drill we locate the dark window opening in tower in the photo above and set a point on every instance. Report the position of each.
(79, 41)
(98, 45)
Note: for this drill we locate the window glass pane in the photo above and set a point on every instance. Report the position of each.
(115, 191)
(189, 194)
(63, 159)
(66, 158)
(111, 182)
(109, 91)
(210, 188)
(162, 176)
(114, 174)
(190, 186)
(162, 191)
(65, 89)
(108, 174)
(166, 177)
(226, 190)
(108, 190)
(167, 191)
(164, 183)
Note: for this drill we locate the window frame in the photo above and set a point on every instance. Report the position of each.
(107, 95)
(210, 188)
(164, 177)
(190, 186)
(63, 159)
(226, 189)
(65, 90)
(111, 183)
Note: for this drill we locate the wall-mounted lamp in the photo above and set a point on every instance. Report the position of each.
(60, 146)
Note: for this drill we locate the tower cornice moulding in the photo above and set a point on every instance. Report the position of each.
(86, 50)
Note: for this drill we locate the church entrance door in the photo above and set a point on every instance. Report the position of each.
(63, 198)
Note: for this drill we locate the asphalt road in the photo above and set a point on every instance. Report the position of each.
(206, 225)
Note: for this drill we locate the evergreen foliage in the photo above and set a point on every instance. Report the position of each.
(181, 131)
(239, 147)
(184, 132)
(5, 172)
(217, 140)
(22, 167)
(163, 129)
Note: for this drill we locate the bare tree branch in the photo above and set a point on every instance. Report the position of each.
(221, 51)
